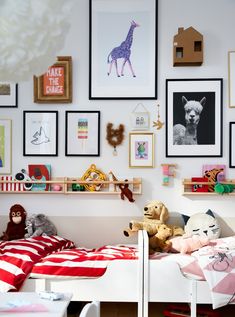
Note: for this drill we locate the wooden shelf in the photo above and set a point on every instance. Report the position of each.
(105, 187)
(187, 187)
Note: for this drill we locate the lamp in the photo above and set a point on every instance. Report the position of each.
(31, 34)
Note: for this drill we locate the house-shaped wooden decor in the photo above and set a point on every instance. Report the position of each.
(188, 47)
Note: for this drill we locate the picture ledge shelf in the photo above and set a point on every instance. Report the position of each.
(65, 184)
(188, 184)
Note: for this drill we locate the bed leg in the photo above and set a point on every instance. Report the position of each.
(193, 295)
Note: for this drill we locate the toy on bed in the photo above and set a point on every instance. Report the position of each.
(188, 244)
(39, 225)
(155, 213)
(202, 224)
(16, 225)
(160, 242)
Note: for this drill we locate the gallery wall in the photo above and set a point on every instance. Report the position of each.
(215, 20)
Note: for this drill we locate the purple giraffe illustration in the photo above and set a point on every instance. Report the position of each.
(123, 51)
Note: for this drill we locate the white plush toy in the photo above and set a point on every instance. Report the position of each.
(202, 224)
(39, 225)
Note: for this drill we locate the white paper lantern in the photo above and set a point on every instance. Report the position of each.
(31, 34)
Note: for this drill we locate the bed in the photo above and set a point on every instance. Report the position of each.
(121, 282)
(171, 285)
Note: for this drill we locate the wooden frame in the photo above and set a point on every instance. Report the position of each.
(40, 133)
(133, 76)
(8, 95)
(82, 133)
(188, 133)
(55, 86)
(141, 149)
(5, 146)
(232, 144)
(231, 78)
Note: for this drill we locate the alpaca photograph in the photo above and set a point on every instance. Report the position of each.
(194, 117)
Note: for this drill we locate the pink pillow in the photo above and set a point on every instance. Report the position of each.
(188, 244)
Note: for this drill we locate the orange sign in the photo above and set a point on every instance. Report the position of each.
(53, 81)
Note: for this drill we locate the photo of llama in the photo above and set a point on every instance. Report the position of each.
(193, 118)
(123, 51)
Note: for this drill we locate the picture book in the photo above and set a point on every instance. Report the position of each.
(221, 176)
(40, 172)
(199, 187)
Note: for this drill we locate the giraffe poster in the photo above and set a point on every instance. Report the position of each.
(123, 61)
(194, 117)
(5, 146)
(40, 134)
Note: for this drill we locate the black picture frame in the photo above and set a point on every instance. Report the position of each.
(40, 133)
(137, 71)
(202, 135)
(82, 133)
(8, 95)
(232, 144)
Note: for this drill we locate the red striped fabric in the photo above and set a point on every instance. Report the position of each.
(17, 258)
(80, 262)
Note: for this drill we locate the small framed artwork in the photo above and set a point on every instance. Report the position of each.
(141, 149)
(40, 133)
(231, 78)
(140, 118)
(194, 117)
(5, 146)
(123, 63)
(8, 95)
(82, 133)
(232, 144)
(55, 86)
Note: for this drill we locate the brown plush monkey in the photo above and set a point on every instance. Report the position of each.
(16, 225)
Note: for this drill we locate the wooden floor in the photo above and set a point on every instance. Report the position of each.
(130, 309)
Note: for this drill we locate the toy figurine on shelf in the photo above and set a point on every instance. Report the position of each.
(158, 124)
(168, 171)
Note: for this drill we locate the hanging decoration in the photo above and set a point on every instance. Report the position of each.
(31, 34)
(115, 137)
(158, 124)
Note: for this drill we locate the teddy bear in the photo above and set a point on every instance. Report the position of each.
(39, 225)
(160, 242)
(155, 213)
(16, 225)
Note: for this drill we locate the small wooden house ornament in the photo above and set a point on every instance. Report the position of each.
(188, 47)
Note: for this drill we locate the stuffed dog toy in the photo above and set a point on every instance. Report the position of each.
(155, 213)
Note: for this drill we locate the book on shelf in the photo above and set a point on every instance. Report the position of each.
(199, 187)
(40, 172)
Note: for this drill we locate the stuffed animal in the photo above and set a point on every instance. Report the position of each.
(188, 244)
(160, 242)
(39, 225)
(202, 224)
(126, 192)
(16, 225)
(155, 213)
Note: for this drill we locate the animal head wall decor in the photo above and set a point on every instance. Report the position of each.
(115, 137)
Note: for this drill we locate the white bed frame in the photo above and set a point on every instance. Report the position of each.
(122, 282)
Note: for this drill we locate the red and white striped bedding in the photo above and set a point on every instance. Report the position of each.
(80, 262)
(17, 258)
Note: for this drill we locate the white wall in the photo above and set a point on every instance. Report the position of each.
(215, 20)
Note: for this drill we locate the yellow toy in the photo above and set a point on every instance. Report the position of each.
(93, 175)
(155, 213)
(159, 242)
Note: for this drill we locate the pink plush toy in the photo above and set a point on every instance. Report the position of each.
(188, 244)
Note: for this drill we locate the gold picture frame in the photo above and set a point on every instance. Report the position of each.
(55, 86)
(141, 149)
(231, 79)
(5, 146)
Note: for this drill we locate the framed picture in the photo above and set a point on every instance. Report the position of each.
(123, 62)
(232, 144)
(140, 118)
(141, 149)
(55, 86)
(8, 95)
(5, 146)
(194, 117)
(231, 78)
(82, 133)
(40, 133)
